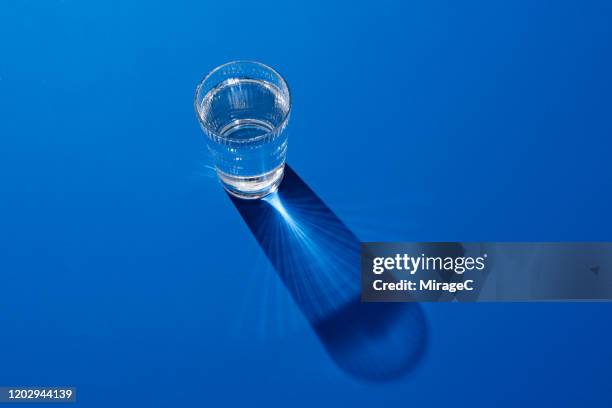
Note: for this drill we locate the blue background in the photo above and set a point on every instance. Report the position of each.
(127, 272)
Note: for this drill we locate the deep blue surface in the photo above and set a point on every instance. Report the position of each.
(126, 271)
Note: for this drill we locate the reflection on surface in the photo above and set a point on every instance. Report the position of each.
(317, 258)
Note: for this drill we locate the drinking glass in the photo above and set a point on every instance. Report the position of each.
(243, 107)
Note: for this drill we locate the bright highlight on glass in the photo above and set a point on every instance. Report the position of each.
(243, 107)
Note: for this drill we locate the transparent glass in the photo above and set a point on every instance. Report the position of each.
(243, 107)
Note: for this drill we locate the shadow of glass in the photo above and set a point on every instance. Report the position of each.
(317, 258)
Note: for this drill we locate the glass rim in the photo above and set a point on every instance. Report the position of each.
(275, 129)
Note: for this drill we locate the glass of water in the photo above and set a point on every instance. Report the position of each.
(243, 107)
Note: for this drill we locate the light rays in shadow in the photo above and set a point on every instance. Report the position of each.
(266, 310)
(317, 258)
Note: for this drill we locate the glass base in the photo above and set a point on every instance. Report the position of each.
(252, 187)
